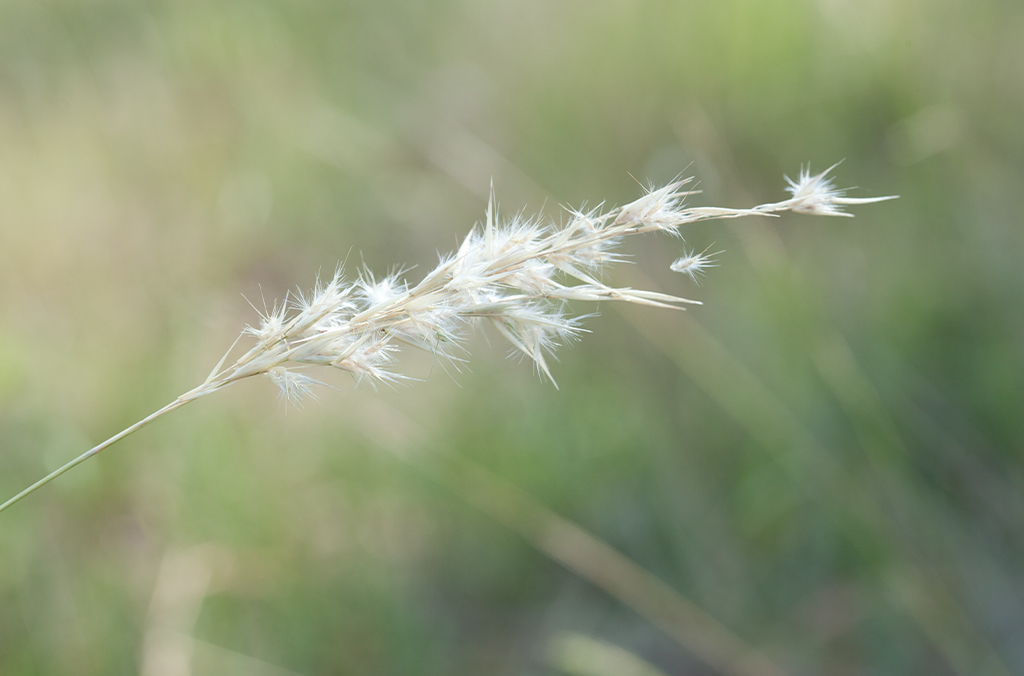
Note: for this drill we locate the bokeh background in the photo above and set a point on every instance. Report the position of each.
(819, 471)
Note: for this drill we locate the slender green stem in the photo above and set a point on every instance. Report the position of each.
(177, 403)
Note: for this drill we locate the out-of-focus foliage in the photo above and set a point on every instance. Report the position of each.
(825, 457)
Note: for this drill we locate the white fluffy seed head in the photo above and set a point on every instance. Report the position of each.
(375, 292)
(517, 274)
(367, 361)
(293, 387)
(816, 194)
(657, 210)
(271, 327)
(693, 264)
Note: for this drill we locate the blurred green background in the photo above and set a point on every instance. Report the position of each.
(825, 457)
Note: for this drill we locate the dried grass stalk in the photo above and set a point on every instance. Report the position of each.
(517, 275)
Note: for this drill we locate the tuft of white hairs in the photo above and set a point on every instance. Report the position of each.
(817, 195)
(694, 264)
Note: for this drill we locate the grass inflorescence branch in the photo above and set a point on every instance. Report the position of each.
(517, 275)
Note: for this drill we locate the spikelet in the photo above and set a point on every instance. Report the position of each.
(694, 264)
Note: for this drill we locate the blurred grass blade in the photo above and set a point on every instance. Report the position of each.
(581, 655)
(572, 546)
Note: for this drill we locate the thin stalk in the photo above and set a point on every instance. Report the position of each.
(176, 404)
(604, 566)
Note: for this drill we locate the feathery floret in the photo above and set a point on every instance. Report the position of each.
(294, 387)
(693, 264)
(817, 195)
